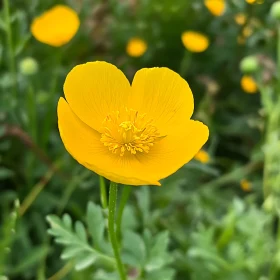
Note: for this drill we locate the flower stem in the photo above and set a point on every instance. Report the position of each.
(185, 63)
(111, 228)
(12, 63)
(278, 57)
(103, 192)
(125, 195)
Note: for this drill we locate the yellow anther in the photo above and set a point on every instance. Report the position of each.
(129, 132)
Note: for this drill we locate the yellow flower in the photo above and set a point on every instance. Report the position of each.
(254, 1)
(136, 47)
(56, 27)
(240, 19)
(248, 84)
(245, 185)
(131, 134)
(195, 41)
(216, 7)
(241, 40)
(247, 31)
(202, 156)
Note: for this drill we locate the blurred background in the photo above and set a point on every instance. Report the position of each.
(210, 220)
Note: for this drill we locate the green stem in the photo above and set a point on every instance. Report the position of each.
(12, 63)
(51, 108)
(103, 192)
(111, 228)
(278, 57)
(125, 195)
(234, 176)
(185, 63)
(31, 107)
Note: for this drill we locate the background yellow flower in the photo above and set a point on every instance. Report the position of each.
(246, 185)
(195, 41)
(56, 26)
(216, 7)
(248, 84)
(240, 18)
(254, 1)
(202, 156)
(134, 134)
(136, 47)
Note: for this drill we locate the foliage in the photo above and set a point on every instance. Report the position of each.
(200, 224)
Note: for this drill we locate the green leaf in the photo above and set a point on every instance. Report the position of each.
(85, 260)
(67, 221)
(143, 199)
(71, 252)
(134, 245)
(162, 274)
(34, 257)
(81, 231)
(96, 223)
(75, 243)
(5, 173)
(158, 255)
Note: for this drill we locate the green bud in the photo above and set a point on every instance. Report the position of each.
(28, 66)
(275, 10)
(249, 64)
(42, 97)
(268, 204)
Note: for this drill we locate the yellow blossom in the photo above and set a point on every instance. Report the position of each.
(240, 18)
(248, 84)
(131, 134)
(241, 40)
(202, 156)
(195, 41)
(246, 185)
(247, 31)
(56, 27)
(254, 1)
(136, 47)
(216, 7)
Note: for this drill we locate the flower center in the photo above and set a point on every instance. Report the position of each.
(130, 132)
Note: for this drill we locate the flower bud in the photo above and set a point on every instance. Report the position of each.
(275, 10)
(249, 64)
(268, 204)
(28, 66)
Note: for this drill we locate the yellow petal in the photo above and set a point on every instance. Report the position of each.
(95, 89)
(202, 156)
(240, 18)
(175, 149)
(84, 144)
(164, 95)
(136, 47)
(195, 41)
(56, 26)
(216, 7)
(248, 84)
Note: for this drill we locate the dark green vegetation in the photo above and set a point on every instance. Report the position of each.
(200, 224)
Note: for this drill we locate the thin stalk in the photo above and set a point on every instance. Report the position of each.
(10, 47)
(51, 109)
(185, 63)
(111, 228)
(72, 185)
(125, 195)
(35, 192)
(31, 107)
(278, 58)
(103, 192)
(66, 269)
(32, 128)
(234, 176)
